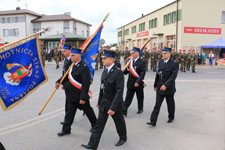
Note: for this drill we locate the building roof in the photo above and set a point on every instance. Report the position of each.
(148, 14)
(60, 17)
(18, 12)
(67, 34)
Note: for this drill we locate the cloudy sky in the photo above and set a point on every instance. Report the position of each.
(92, 11)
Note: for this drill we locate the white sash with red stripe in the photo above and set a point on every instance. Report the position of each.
(76, 83)
(134, 73)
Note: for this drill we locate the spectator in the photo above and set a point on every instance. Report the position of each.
(211, 57)
(199, 58)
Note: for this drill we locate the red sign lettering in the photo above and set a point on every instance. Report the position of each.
(199, 30)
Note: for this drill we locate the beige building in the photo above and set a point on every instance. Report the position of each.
(199, 23)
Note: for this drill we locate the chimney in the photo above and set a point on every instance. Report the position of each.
(67, 13)
(17, 8)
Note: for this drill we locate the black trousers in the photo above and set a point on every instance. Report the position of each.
(67, 100)
(100, 125)
(170, 106)
(129, 97)
(70, 114)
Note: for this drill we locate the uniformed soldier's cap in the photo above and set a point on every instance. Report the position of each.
(66, 47)
(75, 51)
(109, 53)
(166, 50)
(135, 49)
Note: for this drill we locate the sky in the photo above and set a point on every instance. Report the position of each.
(92, 11)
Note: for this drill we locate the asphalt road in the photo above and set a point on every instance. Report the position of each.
(199, 122)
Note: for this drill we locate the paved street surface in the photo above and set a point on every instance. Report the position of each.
(199, 122)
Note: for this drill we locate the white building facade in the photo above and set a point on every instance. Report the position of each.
(16, 24)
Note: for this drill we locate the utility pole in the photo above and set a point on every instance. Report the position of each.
(177, 27)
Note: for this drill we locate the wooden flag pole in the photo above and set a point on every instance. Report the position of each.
(95, 32)
(46, 103)
(130, 59)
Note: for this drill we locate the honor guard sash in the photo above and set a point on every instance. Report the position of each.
(76, 83)
(134, 73)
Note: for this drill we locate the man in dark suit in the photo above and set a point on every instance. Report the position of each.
(110, 101)
(2, 147)
(78, 89)
(135, 84)
(66, 64)
(165, 86)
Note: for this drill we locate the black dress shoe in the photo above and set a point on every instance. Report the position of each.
(140, 111)
(88, 147)
(63, 133)
(120, 142)
(170, 121)
(151, 123)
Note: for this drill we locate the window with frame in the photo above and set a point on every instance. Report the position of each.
(120, 34)
(10, 32)
(75, 27)
(36, 27)
(142, 27)
(165, 20)
(133, 29)
(169, 18)
(66, 26)
(223, 17)
(155, 22)
(174, 17)
(126, 32)
(171, 41)
(88, 31)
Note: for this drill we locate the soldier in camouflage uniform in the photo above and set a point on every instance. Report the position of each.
(193, 61)
(151, 62)
(183, 61)
(155, 55)
(57, 57)
(179, 58)
(125, 55)
(118, 54)
(159, 55)
(188, 61)
(146, 57)
(43, 56)
(174, 55)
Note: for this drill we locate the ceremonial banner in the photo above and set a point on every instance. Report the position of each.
(62, 42)
(90, 53)
(21, 72)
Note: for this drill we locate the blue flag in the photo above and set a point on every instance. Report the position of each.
(21, 72)
(90, 53)
(142, 49)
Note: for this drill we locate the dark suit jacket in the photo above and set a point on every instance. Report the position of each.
(141, 70)
(65, 82)
(166, 75)
(81, 74)
(111, 90)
